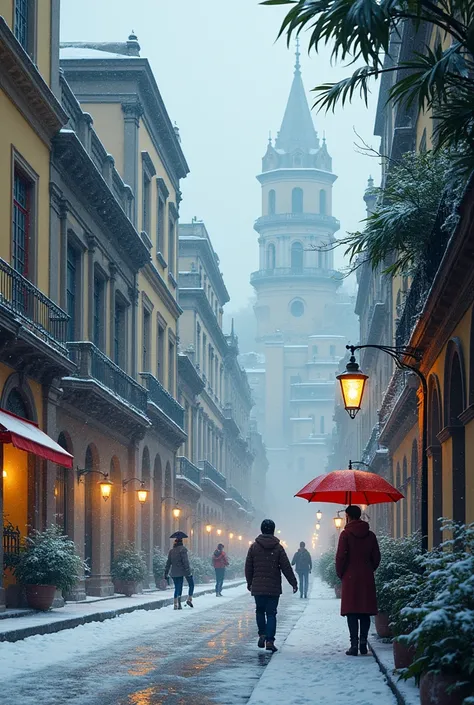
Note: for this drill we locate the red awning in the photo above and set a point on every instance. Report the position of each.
(26, 435)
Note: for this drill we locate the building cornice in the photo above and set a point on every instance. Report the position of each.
(24, 85)
(402, 417)
(296, 174)
(196, 300)
(153, 277)
(205, 250)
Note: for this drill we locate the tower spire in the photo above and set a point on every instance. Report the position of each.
(297, 54)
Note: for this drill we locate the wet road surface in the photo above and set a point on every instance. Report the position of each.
(208, 658)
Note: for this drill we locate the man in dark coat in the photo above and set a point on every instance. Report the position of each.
(266, 561)
(303, 566)
(357, 558)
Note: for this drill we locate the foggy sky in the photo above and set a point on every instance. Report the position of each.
(225, 82)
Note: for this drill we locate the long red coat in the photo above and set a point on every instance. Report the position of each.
(357, 558)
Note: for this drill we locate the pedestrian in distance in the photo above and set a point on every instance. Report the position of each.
(303, 566)
(178, 566)
(220, 563)
(357, 559)
(266, 561)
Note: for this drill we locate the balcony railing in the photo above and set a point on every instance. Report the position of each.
(313, 272)
(42, 315)
(188, 470)
(210, 472)
(163, 399)
(189, 280)
(235, 495)
(93, 364)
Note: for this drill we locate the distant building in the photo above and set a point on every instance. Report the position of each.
(303, 322)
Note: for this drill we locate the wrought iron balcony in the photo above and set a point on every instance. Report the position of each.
(209, 472)
(237, 497)
(163, 399)
(187, 469)
(291, 272)
(37, 312)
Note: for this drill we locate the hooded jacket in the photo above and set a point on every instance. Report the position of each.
(302, 561)
(177, 564)
(357, 558)
(266, 561)
(219, 558)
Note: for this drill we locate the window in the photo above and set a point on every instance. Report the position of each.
(322, 202)
(161, 353)
(315, 350)
(24, 21)
(271, 202)
(271, 257)
(21, 223)
(332, 350)
(297, 257)
(297, 308)
(146, 203)
(297, 200)
(204, 353)
(321, 425)
(146, 341)
(98, 311)
(119, 334)
(160, 225)
(171, 245)
(71, 280)
(171, 367)
(17, 405)
(198, 344)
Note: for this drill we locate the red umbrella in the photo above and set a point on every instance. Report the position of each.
(350, 487)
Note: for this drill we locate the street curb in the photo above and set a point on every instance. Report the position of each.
(54, 627)
(392, 682)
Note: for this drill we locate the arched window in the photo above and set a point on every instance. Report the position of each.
(434, 427)
(322, 202)
(454, 385)
(297, 257)
(414, 487)
(297, 200)
(16, 404)
(271, 257)
(321, 425)
(271, 202)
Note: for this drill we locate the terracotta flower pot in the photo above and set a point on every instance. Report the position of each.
(403, 655)
(433, 687)
(161, 583)
(40, 597)
(382, 625)
(125, 587)
(338, 591)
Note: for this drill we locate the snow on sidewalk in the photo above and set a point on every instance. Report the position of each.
(311, 666)
(48, 650)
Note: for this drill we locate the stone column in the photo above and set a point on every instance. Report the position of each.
(132, 111)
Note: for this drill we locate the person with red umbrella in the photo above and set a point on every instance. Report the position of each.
(357, 558)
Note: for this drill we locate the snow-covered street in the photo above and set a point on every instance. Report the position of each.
(207, 655)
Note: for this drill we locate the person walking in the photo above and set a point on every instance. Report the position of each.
(178, 566)
(220, 563)
(357, 558)
(266, 561)
(303, 566)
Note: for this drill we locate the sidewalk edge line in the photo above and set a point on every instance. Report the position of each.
(392, 683)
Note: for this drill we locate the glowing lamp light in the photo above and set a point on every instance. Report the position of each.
(352, 383)
(219, 532)
(319, 515)
(4, 473)
(318, 526)
(240, 538)
(105, 489)
(209, 528)
(250, 543)
(231, 535)
(338, 522)
(176, 512)
(142, 495)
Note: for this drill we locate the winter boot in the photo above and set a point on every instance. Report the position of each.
(270, 646)
(175, 603)
(363, 650)
(179, 604)
(261, 641)
(189, 601)
(354, 650)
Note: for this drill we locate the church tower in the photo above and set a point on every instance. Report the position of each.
(296, 287)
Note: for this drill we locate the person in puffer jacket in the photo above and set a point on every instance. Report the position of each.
(178, 565)
(266, 561)
(220, 563)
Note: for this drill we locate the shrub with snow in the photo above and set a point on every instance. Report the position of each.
(326, 568)
(129, 564)
(159, 563)
(49, 558)
(399, 560)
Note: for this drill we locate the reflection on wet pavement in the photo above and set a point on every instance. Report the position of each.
(208, 659)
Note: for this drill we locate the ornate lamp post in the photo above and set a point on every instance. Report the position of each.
(105, 484)
(142, 492)
(352, 383)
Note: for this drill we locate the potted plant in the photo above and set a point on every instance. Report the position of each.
(49, 562)
(159, 564)
(128, 569)
(444, 636)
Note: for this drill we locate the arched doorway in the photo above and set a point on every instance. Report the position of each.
(157, 504)
(146, 513)
(116, 508)
(435, 457)
(297, 257)
(455, 404)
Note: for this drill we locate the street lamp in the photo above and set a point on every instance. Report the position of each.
(319, 515)
(318, 526)
(105, 485)
(338, 520)
(231, 535)
(240, 538)
(219, 532)
(353, 382)
(208, 528)
(142, 492)
(176, 509)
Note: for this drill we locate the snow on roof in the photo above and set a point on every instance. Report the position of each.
(87, 53)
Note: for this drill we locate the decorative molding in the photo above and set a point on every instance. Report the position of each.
(162, 188)
(448, 432)
(161, 260)
(468, 414)
(146, 239)
(148, 165)
(133, 111)
(173, 211)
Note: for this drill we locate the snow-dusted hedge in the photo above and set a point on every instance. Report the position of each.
(326, 568)
(129, 564)
(398, 564)
(49, 558)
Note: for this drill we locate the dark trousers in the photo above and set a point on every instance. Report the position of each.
(266, 612)
(220, 573)
(178, 586)
(303, 579)
(353, 621)
(190, 581)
